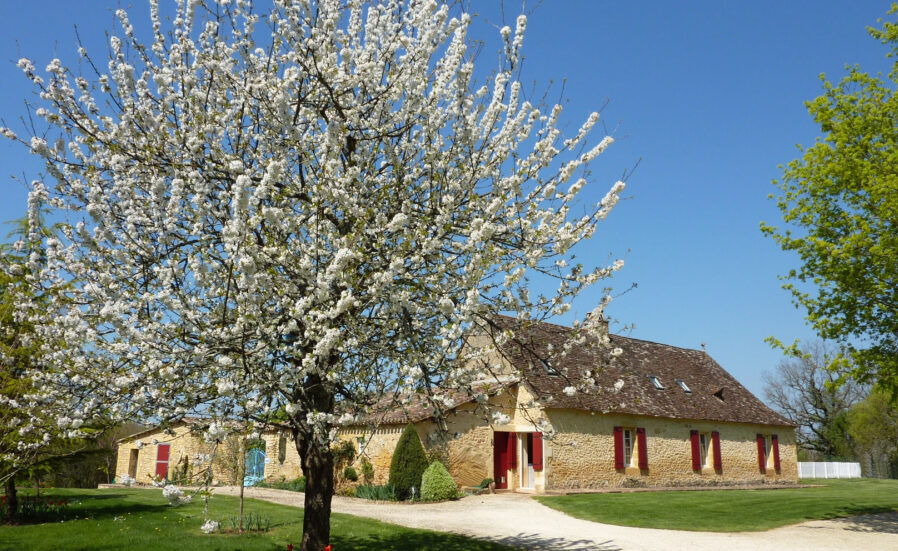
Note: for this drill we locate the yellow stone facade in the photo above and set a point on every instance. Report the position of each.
(139, 461)
(579, 456)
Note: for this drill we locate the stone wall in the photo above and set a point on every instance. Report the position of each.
(581, 455)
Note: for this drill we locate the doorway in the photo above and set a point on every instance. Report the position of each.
(132, 463)
(527, 476)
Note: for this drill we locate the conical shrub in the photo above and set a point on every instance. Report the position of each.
(409, 463)
(437, 484)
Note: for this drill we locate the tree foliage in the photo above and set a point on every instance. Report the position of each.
(408, 463)
(301, 214)
(840, 196)
(806, 389)
(873, 424)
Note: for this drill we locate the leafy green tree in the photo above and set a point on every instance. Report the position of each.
(408, 464)
(840, 207)
(873, 424)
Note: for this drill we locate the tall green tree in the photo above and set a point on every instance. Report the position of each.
(873, 424)
(839, 203)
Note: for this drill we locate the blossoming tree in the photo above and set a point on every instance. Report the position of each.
(300, 214)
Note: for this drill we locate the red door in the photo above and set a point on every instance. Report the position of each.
(162, 460)
(503, 457)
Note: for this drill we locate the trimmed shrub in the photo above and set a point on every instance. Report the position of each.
(350, 474)
(409, 463)
(485, 483)
(437, 484)
(367, 470)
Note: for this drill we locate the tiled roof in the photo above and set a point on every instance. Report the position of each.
(640, 359)
(390, 410)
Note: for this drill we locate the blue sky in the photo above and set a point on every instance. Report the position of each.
(709, 95)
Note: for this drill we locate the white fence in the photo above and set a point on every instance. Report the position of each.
(820, 469)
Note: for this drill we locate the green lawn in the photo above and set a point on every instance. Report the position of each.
(732, 510)
(142, 519)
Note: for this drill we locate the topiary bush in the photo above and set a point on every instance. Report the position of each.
(437, 484)
(350, 474)
(408, 465)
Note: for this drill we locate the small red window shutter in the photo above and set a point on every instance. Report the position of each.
(512, 450)
(643, 450)
(715, 441)
(696, 451)
(762, 460)
(162, 452)
(537, 451)
(618, 447)
(776, 452)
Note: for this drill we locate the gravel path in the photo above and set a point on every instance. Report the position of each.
(517, 520)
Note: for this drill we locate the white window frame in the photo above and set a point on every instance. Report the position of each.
(657, 382)
(629, 447)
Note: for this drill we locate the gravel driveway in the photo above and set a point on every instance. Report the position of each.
(517, 520)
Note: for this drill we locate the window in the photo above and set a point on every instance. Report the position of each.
(656, 382)
(684, 386)
(768, 449)
(704, 445)
(549, 369)
(628, 447)
(361, 443)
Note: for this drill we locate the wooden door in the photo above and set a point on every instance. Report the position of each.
(504, 449)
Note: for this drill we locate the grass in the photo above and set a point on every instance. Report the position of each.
(142, 519)
(732, 510)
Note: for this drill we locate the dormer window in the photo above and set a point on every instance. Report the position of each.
(684, 386)
(656, 382)
(549, 369)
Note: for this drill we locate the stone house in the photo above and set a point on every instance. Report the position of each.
(675, 418)
(155, 452)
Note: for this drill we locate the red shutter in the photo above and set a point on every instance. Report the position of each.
(537, 451)
(512, 450)
(643, 450)
(776, 452)
(696, 451)
(618, 447)
(715, 441)
(162, 453)
(762, 459)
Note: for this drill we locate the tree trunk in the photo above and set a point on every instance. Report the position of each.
(318, 468)
(12, 499)
(242, 472)
(317, 463)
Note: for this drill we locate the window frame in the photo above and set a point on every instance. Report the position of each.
(704, 448)
(629, 446)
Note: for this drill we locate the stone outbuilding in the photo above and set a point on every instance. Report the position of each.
(660, 415)
(180, 453)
